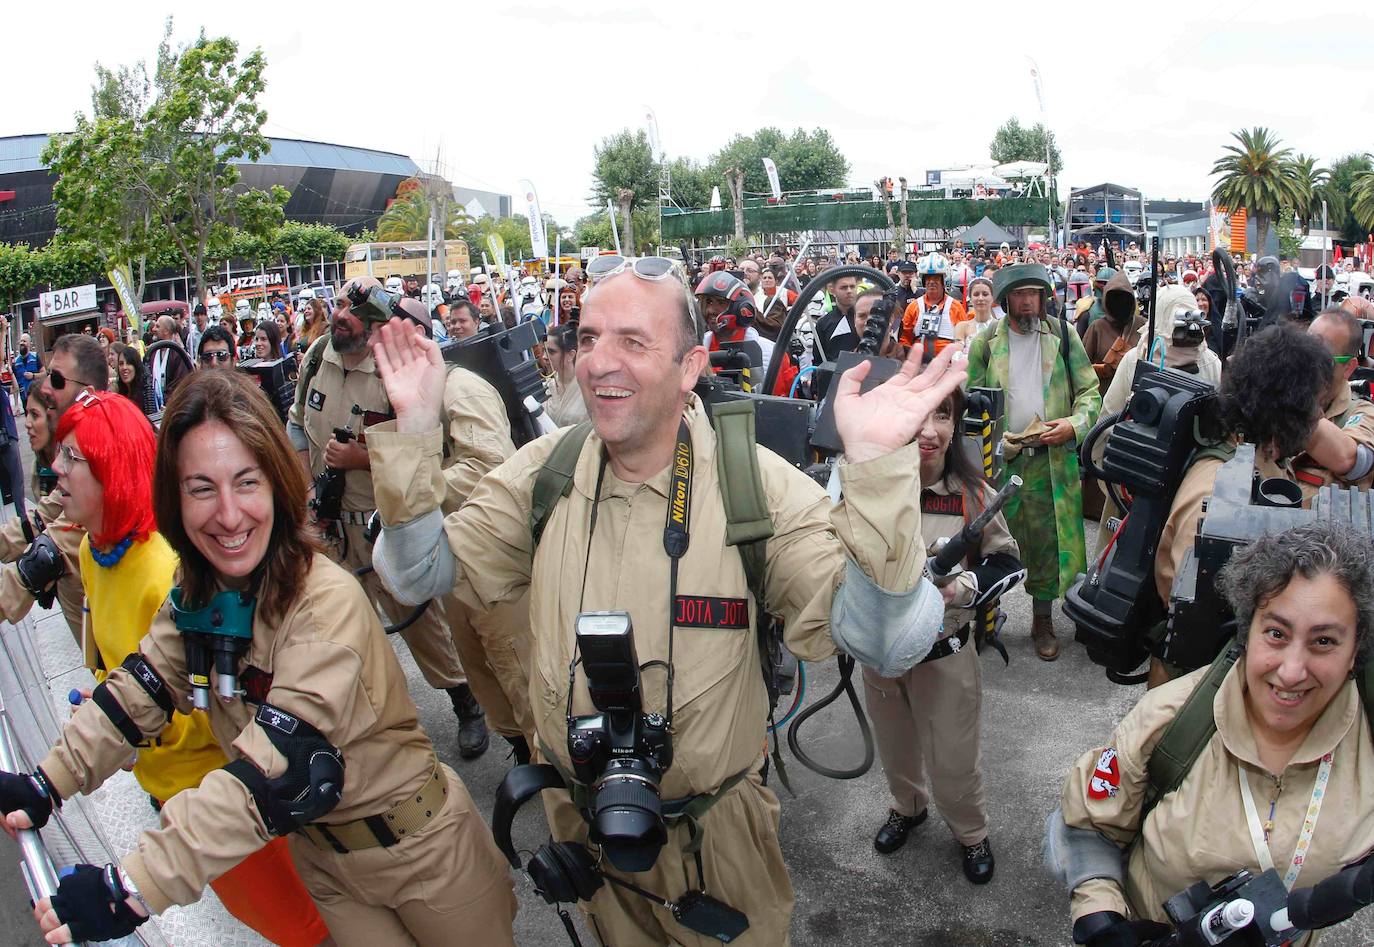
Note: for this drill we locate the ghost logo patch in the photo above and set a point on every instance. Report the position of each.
(1106, 778)
(316, 399)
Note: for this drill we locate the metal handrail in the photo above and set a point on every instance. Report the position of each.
(39, 874)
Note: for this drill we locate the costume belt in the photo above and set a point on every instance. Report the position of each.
(383, 831)
(947, 646)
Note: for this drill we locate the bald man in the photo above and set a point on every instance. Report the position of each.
(166, 368)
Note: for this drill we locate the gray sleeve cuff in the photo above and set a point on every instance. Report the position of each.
(296, 434)
(1364, 463)
(1078, 855)
(887, 631)
(413, 560)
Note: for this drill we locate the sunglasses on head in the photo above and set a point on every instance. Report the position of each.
(651, 268)
(59, 380)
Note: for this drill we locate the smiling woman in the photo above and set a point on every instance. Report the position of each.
(312, 705)
(1291, 744)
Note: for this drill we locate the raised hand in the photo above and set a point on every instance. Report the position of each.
(880, 421)
(413, 372)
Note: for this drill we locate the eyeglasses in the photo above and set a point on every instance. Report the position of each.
(651, 268)
(209, 358)
(69, 457)
(59, 380)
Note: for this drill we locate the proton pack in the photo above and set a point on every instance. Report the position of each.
(1171, 417)
(505, 361)
(1243, 507)
(276, 377)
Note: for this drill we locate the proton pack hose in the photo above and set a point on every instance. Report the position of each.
(845, 686)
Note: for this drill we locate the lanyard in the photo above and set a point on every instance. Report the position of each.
(1258, 835)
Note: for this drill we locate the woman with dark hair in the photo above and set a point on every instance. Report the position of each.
(326, 742)
(926, 722)
(267, 341)
(1282, 781)
(104, 466)
(131, 377)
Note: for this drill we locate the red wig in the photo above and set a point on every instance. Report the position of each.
(118, 442)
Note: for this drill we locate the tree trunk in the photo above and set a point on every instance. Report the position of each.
(901, 246)
(626, 197)
(1261, 233)
(734, 179)
(881, 185)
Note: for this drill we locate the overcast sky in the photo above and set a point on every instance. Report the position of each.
(528, 90)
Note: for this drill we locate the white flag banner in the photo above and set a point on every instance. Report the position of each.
(773, 181)
(539, 240)
(715, 198)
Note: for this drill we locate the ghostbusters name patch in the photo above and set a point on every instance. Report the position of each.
(1353, 420)
(1106, 778)
(709, 611)
(941, 504)
(316, 400)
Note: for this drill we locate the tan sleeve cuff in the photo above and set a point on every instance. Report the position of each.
(1097, 894)
(137, 871)
(407, 472)
(879, 517)
(61, 778)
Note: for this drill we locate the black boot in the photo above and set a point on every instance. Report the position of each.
(521, 748)
(978, 862)
(472, 722)
(892, 835)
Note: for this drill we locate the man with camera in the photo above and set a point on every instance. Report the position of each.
(339, 393)
(632, 565)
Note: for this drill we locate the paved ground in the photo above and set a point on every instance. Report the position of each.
(1037, 718)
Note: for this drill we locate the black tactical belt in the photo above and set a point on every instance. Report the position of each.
(947, 646)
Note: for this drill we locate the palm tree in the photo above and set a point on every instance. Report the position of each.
(1258, 176)
(1362, 200)
(1312, 181)
(408, 219)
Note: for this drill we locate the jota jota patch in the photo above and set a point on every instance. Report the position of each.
(709, 611)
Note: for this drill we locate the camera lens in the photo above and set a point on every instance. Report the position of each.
(627, 815)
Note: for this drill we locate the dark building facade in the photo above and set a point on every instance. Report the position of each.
(339, 185)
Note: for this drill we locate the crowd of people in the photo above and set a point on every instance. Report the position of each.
(232, 568)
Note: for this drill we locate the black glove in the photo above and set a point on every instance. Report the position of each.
(1109, 929)
(92, 902)
(30, 793)
(40, 566)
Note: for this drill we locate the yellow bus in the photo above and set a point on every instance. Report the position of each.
(406, 259)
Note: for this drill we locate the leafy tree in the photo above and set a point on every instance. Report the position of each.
(690, 184)
(806, 160)
(408, 219)
(1290, 241)
(1257, 174)
(170, 160)
(1015, 142)
(625, 163)
(303, 244)
(16, 272)
(594, 230)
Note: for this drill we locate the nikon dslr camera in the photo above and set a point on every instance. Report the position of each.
(620, 753)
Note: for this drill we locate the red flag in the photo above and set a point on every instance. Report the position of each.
(1337, 256)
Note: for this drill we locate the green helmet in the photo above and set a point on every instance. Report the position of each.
(1018, 277)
